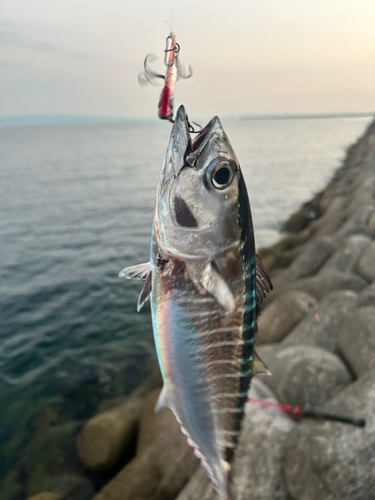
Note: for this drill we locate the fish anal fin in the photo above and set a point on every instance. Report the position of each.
(138, 272)
(145, 293)
(263, 282)
(259, 366)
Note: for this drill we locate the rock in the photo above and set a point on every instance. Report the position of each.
(320, 327)
(291, 241)
(47, 495)
(366, 265)
(72, 486)
(169, 455)
(346, 259)
(151, 424)
(356, 339)
(268, 261)
(358, 223)
(105, 436)
(301, 219)
(285, 258)
(366, 297)
(258, 464)
(177, 476)
(363, 193)
(303, 374)
(199, 487)
(283, 315)
(320, 285)
(67, 485)
(334, 216)
(331, 460)
(297, 222)
(312, 259)
(336, 205)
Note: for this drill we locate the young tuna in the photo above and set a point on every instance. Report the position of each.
(205, 283)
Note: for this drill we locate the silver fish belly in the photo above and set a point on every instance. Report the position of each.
(205, 284)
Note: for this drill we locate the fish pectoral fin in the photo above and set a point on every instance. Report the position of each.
(164, 400)
(263, 283)
(216, 285)
(259, 366)
(206, 275)
(138, 272)
(145, 293)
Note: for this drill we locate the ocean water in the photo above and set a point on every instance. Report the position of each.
(76, 206)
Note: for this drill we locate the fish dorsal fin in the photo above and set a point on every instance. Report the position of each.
(146, 291)
(207, 275)
(138, 272)
(263, 283)
(164, 401)
(259, 366)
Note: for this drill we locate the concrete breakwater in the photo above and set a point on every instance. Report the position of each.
(317, 337)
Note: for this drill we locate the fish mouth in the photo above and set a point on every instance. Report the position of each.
(182, 151)
(179, 143)
(213, 134)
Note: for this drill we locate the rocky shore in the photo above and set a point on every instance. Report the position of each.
(317, 337)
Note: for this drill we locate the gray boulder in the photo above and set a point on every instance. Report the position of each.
(312, 259)
(346, 259)
(356, 339)
(366, 265)
(199, 486)
(106, 435)
(334, 216)
(151, 424)
(320, 327)
(321, 284)
(283, 315)
(366, 297)
(331, 460)
(359, 223)
(258, 464)
(303, 374)
(143, 478)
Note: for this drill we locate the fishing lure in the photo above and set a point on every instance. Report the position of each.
(174, 71)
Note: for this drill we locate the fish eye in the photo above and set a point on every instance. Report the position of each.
(222, 175)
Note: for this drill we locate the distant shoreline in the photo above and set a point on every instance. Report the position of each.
(55, 120)
(307, 116)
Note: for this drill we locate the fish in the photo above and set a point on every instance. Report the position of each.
(206, 284)
(174, 71)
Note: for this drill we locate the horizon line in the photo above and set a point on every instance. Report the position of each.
(76, 119)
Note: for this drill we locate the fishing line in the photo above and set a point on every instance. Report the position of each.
(172, 15)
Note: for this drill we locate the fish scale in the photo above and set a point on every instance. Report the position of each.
(205, 284)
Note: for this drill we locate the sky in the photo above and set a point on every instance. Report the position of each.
(248, 57)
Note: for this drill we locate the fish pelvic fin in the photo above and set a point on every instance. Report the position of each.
(145, 293)
(140, 272)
